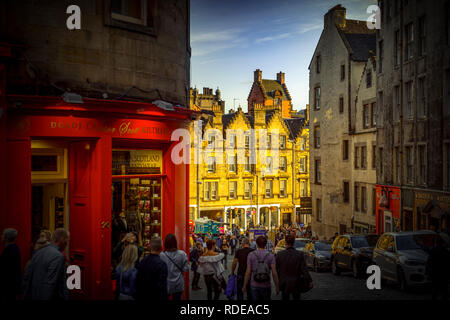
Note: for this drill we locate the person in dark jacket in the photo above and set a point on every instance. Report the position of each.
(45, 277)
(439, 269)
(233, 244)
(10, 273)
(291, 266)
(151, 279)
(193, 257)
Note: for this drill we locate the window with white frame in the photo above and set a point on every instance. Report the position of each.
(232, 186)
(303, 188)
(131, 11)
(366, 116)
(247, 189)
(269, 188)
(303, 164)
(302, 143)
(211, 164)
(283, 164)
(247, 167)
(283, 187)
(282, 142)
(269, 164)
(317, 98)
(373, 110)
(232, 167)
(214, 190)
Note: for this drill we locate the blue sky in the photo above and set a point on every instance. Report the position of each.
(232, 38)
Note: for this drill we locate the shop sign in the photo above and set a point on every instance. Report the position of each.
(305, 202)
(145, 159)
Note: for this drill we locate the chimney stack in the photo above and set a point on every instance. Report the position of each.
(335, 16)
(257, 75)
(280, 77)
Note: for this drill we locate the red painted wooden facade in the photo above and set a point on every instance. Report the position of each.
(91, 129)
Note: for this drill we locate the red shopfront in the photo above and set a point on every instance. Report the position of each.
(100, 168)
(387, 209)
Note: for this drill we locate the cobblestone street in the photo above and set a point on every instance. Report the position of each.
(330, 287)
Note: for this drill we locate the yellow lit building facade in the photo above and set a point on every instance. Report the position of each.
(245, 188)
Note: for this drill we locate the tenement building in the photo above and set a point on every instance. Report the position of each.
(343, 125)
(229, 186)
(413, 95)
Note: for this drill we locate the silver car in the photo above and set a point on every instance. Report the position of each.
(402, 256)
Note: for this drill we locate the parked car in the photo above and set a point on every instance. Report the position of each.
(281, 245)
(318, 255)
(300, 243)
(352, 252)
(402, 256)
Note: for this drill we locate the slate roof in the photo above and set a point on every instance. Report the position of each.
(361, 45)
(294, 125)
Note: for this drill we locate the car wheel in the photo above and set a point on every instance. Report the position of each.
(334, 268)
(401, 280)
(316, 266)
(355, 269)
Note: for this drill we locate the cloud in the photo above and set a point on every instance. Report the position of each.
(310, 26)
(272, 38)
(216, 36)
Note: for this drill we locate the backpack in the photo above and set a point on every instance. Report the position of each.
(262, 271)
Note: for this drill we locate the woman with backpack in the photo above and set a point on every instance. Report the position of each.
(212, 269)
(177, 263)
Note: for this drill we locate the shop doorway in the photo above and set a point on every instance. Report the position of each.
(49, 187)
(48, 208)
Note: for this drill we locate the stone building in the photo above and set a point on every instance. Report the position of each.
(127, 49)
(413, 94)
(206, 101)
(340, 146)
(245, 193)
(86, 118)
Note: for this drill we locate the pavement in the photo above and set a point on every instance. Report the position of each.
(330, 287)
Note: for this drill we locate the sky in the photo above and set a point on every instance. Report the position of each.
(230, 39)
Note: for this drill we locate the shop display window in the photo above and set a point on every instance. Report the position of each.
(136, 197)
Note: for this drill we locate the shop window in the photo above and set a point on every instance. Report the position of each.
(48, 163)
(137, 193)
